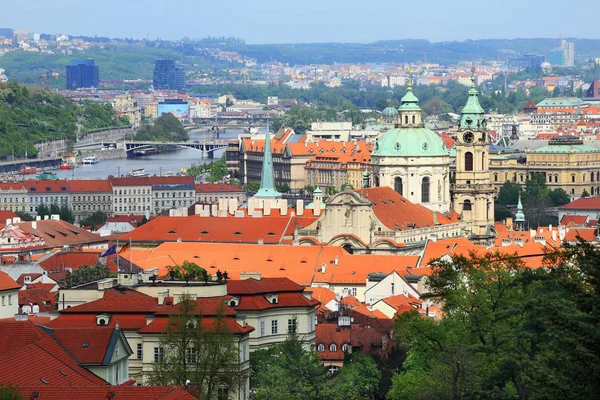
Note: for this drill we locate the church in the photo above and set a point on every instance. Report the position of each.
(414, 161)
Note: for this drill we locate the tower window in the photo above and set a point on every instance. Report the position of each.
(398, 185)
(483, 162)
(425, 190)
(467, 205)
(413, 119)
(406, 119)
(468, 161)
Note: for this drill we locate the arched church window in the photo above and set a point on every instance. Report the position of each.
(425, 190)
(468, 161)
(406, 119)
(483, 163)
(467, 205)
(398, 185)
(414, 120)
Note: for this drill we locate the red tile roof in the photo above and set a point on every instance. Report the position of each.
(583, 203)
(152, 180)
(573, 220)
(12, 186)
(86, 345)
(7, 283)
(159, 325)
(90, 186)
(207, 229)
(217, 188)
(47, 186)
(102, 393)
(73, 259)
(394, 210)
(34, 358)
(61, 233)
(118, 301)
(262, 286)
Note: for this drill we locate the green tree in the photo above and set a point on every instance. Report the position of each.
(43, 210)
(25, 216)
(166, 128)
(204, 352)
(65, 213)
(98, 218)
(188, 270)
(252, 186)
(287, 371)
(585, 193)
(8, 392)
(357, 379)
(559, 197)
(508, 194)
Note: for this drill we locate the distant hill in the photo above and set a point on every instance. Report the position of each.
(29, 116)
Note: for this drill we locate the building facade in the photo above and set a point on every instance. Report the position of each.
(82, 74)
(472, 192)
(90, 196)
(167, 76)
(413, 160)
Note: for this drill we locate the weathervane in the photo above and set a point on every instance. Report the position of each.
(473, 70)
(410, 79)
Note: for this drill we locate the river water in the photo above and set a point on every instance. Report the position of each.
(159, 164)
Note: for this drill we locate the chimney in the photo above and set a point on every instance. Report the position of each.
(531, 233)
(317, 206)
(162, 295)
(8, 221)
(323, 268)
(519, 241)
(283, 207)
(213, 210)
(299, 207)
(46, 218)
(267, 207)
(232, 206)
(554, 236)
(250, 275)
(38, 218)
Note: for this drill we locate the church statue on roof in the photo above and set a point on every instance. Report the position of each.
(412, 159)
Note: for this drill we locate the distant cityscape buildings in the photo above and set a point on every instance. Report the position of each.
(563, 55)
(527, 61)
(82, 74)
(167, 76)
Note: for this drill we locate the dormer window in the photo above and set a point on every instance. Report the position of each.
(102, 319)
(321, 348)
(233, 302)
(272, 298)
(333, 347)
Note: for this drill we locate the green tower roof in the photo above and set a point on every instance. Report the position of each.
(267, 180)
(410, 102)
(472, 115)
(520, 216)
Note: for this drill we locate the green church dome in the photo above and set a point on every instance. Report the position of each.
(390, 113)
(409, 142)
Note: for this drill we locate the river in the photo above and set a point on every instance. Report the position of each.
(159, 164)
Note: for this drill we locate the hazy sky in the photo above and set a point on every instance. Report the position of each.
(285, 21)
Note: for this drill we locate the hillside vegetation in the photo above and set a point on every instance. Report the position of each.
(29, 116)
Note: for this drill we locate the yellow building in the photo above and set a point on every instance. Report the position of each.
(565, 163)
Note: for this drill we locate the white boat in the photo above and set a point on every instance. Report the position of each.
(91, 160)
(138, 172)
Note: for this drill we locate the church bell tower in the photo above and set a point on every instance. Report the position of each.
(473, 193)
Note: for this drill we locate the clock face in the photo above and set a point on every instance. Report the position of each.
(468, 137)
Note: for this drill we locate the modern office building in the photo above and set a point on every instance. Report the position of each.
(167, 76)
(563, 55)
(528, 61)
(82, 73)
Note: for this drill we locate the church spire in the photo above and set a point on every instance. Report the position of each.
(267, 181)
(472, 115)
(410, 112)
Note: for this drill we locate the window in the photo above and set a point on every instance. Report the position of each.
(332, 347)
(159, 354)
(3, 300)
(467, 205)
(262, 328)
(321, 348)
(425, 190)
(344, 347)
(398, 185)
(274, 327)
(140, 351)
(10, 295)
(468, 161)
(573, 178)
(191, 355)
(483, 161)
(292, 325)
(413, 119)
(222, 393)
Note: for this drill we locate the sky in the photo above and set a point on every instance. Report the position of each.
(285, 21)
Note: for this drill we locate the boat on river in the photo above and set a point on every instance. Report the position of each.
(65, 165)
(91, 160)
(27, 170)
(136, 173)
